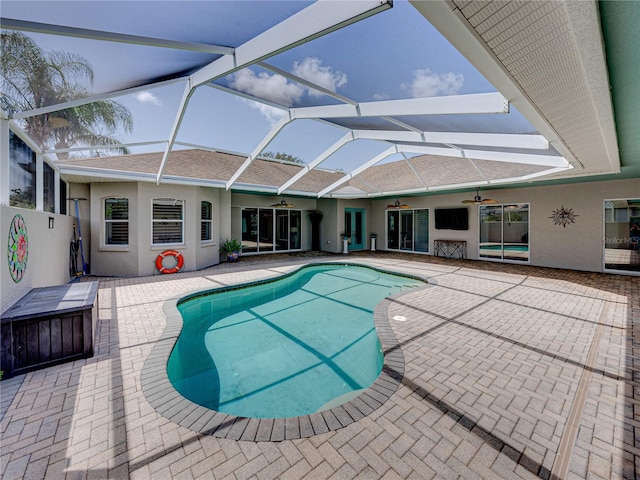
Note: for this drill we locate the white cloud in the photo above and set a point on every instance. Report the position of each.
(380, 96)
(272, 114)
(275, 87)
(428, 84)
(311, 69)
(279, 90)
(148, 97)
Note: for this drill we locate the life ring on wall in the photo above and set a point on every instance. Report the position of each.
(169, 253)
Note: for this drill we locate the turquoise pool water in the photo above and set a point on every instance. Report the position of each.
(290, 347)
(507, 248)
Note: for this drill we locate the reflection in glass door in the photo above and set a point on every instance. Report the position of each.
(622, 235)
(295, 220)
(393, 230)
(408, 230)
(282, 230)
(354, 227)
(504, 232)
(249, 230)
(269, 229)
(421, 219)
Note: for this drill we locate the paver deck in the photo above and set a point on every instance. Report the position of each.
(510, 371)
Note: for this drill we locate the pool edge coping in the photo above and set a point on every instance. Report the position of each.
(169, 403)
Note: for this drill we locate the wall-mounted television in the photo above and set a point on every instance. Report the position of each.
(452, 218)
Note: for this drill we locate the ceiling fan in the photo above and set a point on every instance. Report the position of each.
(478, 200)
(399, 205)
(283, 204)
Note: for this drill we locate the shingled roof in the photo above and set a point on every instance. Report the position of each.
(214, 168)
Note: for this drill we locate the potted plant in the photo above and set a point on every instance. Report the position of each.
(231, 248)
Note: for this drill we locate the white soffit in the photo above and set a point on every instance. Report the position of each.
(547, 58)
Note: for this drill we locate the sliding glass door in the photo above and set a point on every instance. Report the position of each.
(408, 230)
(622, 235)
(504, 232)
(270, 229)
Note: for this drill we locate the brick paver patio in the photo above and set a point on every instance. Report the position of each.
(509, 372)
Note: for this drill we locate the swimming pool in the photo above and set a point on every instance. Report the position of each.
(289, 347)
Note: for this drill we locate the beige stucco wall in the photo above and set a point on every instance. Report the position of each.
(138, 258)
(578, 246)
(48, 253)
(330, 226)
(111, 259)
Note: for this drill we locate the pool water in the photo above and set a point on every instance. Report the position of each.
(506, 248)
(290, 347)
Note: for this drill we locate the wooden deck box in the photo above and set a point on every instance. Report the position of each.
(47, 326)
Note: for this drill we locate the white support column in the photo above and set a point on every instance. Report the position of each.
(4, 161)
(39, 183)
(317, 161)
(186, 95)
(316, 20)
(378, 158)
(265, 141)
(450, 105)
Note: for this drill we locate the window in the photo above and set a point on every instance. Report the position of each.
(116, 221)
(22, 173)
(49, 188)
(167, 221)
(206, 221)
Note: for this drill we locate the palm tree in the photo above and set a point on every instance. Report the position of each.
(32, 78)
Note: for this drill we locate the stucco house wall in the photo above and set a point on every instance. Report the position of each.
(330, 226)
(577, 246)
(48, 253)
(114, 260)
(138, 258)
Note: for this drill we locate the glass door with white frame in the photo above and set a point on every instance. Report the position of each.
(408, 230)
(504, 232)
(622, 235)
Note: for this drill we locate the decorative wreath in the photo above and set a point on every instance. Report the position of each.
(17, 248)
(563, 216)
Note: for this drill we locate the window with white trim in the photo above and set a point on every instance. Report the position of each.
(116, 221)
(167, 221)
(206, 221)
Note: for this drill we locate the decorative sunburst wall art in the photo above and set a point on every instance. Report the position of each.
(18, 248)
(563, 216)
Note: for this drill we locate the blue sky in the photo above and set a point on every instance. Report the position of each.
(392, 55)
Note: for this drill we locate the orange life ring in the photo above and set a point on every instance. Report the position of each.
(170, 253)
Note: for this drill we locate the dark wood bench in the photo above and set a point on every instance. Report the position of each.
(49, 325)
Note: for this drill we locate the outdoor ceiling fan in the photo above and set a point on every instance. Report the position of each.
(478, 200)
(399, 205)
(283, 204)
